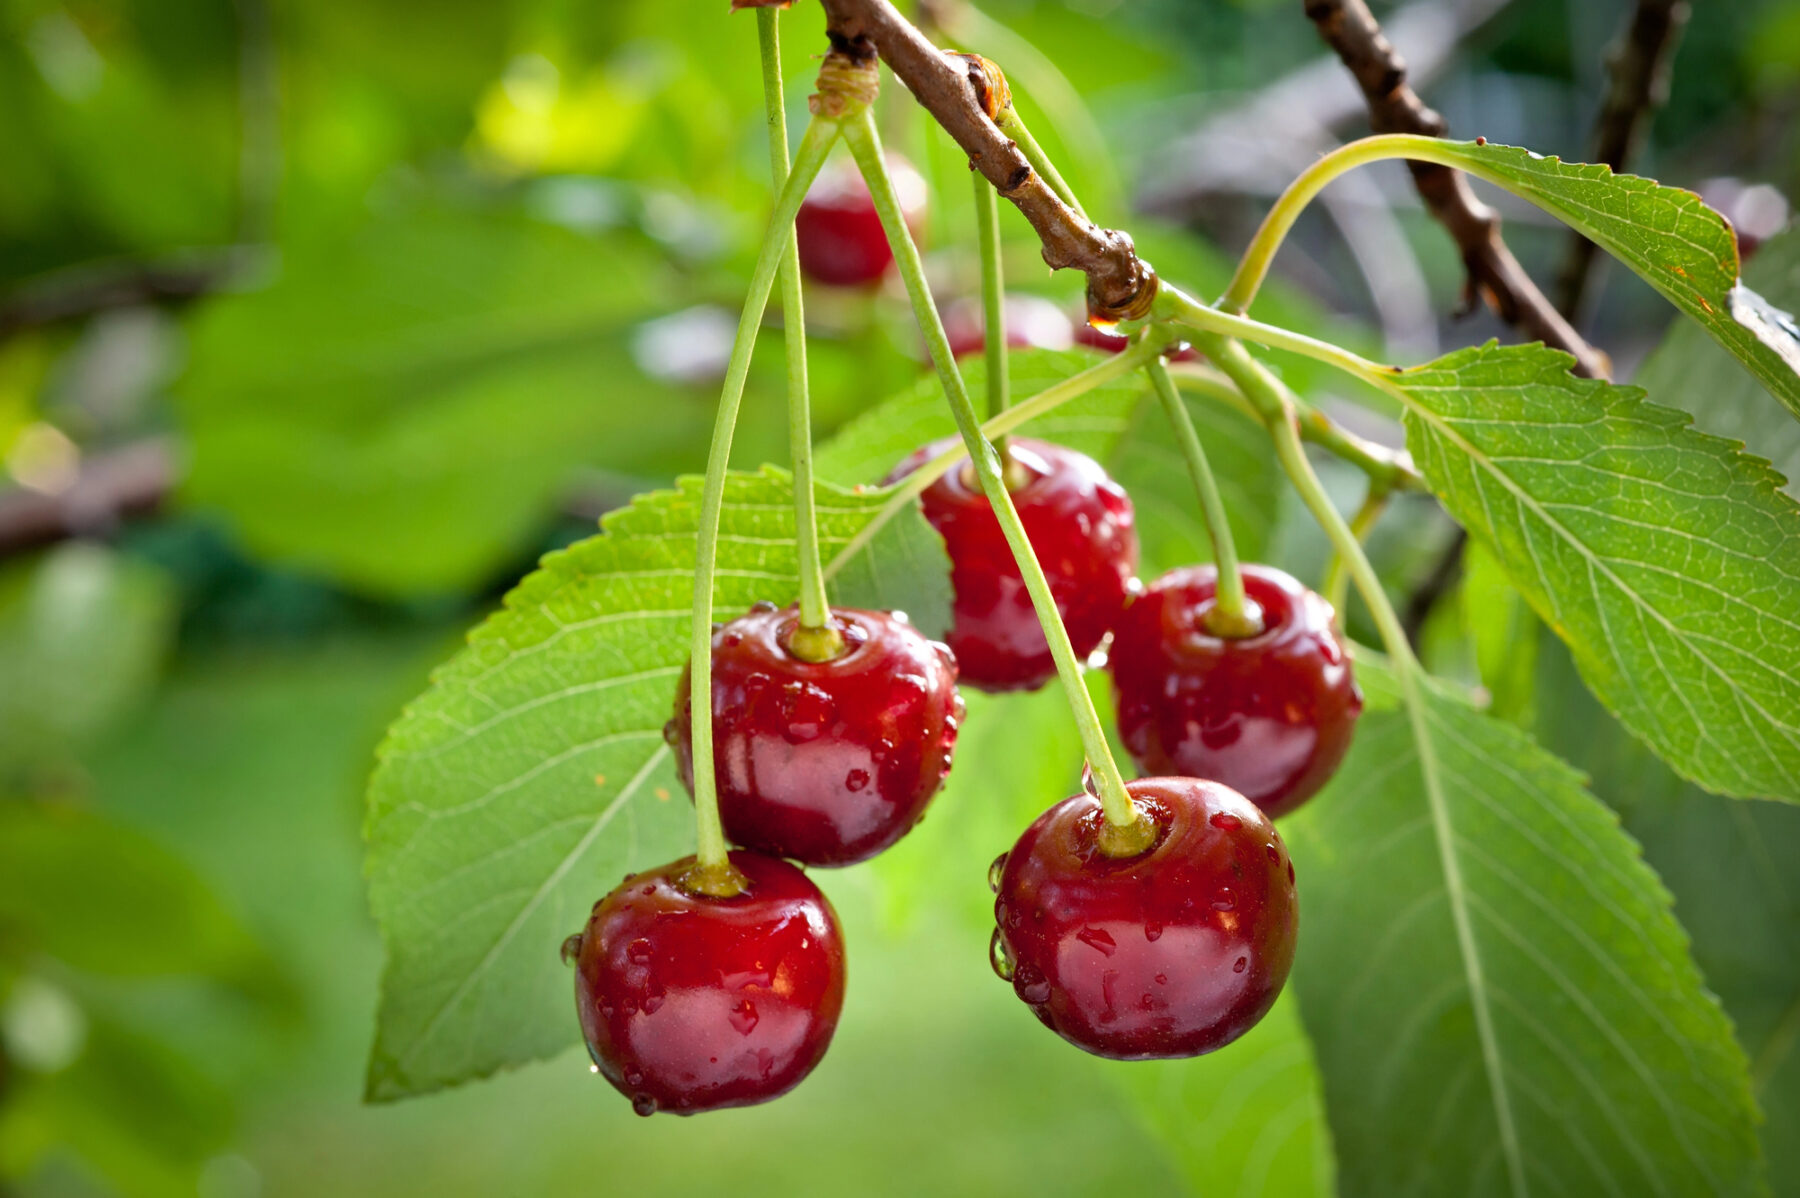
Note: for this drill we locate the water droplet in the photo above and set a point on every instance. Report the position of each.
(638, 952)
(743, 1017)
(1241, 963)
(571, 949)
(1032, 986)
(1089, 782)
(944, 654)
(606, 1010)
(1224, 901)
(1162, 979)
(731, 640)
(1146, 1003)
(762, 606)
(652, 1002)
(1097, 659)
(1225, 821)
(994, 872)
(648, 891)
(1274, 854)
(1153, 931)
(807, 712)
(718, 626)
(900, 617)
(855, 780)
(1099, 939)
(671, 733)
(1000, 956)
(644, 1105)
(634, 1077)
(593, 1068)
(1290, 873)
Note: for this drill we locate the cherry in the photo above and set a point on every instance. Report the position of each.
(1079, 522)
(1170, 953)
(830, 762)
(1105, 339)
(691, 1003)
(1032, 322)
(1269, 715)
(838, 230)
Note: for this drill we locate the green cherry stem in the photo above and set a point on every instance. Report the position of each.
(713, 873)
(1174, 304)
(1128, 831)
(1013, 125)
(816, 639)
(1230, 615)
(1336, 584)
(993, 302)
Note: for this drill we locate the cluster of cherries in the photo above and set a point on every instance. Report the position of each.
(691, 1000)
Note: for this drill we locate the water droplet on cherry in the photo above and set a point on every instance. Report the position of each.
(1099, 939)
(856, 780)
(743, 1017)
(1225, 821)
(1000, 956)
(644, 1105)
(994, 872)
(571, 949)
(1241, 963)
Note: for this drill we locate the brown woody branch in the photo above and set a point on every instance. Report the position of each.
(1120, 284)
(110, 487)
(1639, 71)
(1494, 274)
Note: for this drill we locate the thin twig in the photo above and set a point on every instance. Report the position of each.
(1120, 284)
(108, 488)
(1493, 273)
(1639, 70)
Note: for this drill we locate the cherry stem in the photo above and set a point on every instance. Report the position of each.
(1134, 830)
(1232, 615)
(1013, 125)
(823, 642)
(1336, 584)
(709, 834)
(993, 304)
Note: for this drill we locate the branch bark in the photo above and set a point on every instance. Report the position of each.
(110, 488)
(1494, 275)
(1121, 285)
(1639, 70)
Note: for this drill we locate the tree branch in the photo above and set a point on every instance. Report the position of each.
(1639, 69)
(110, 487)
(1121, 285)
(1494, 275)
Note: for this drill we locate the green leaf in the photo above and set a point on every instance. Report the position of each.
(403, 409)
(1670, 238)
(1732, 867)
(1668, 560)
(1689, 371)
(1119, 425)
(1504, 633)
(512, 795)
(1499, 997)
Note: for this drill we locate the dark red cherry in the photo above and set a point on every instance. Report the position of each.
(1171, 953)
(1079, 522)
(1105, 339)
(838, 230)
(1269, 715)
(1032, 322)
(829, 762)
(691, 1003)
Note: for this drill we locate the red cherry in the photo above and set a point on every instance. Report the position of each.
(691, 1003)
(1269, 715)
(1032, 322)
(830, 762)
(1105, 339)
(838, 230)
(1079, 522)
(1171, 953)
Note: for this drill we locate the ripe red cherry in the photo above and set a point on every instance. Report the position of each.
(1111, 342)
(1032, 322)
(830, 762)
(1269, 715)
(838, 230)
(1171, 953)
(1080, 524)
(691, 1003)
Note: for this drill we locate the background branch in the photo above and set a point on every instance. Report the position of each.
(1639, 70)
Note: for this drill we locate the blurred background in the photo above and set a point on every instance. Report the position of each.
(320, 322)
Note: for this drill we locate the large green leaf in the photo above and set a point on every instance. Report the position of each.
(514, 792)
(1120, 425)
(1498, 995)
(1669, 237)
(1667, 559)
(1688, 371)
(1733, 868)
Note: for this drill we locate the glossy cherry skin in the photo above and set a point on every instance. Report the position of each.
(1269, 715)
(690, 1003)
(831, 762)
(1080, 524)
(1171, 953)
(838, 231)
(1032, 322)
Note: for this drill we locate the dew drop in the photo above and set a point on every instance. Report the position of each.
(944, 654)
(1225, 821)
(731, 640)
(743, 1017)
(1274, 854)
(1153, 931)
(652, 1002)
(1089, 782)
(807, 712)
(1098, 939)
(718, 626)
(647, 892)
(1225, 900)
(994, 872)
(762, 606)
(1146, 1003)
(1290, 873)
(1032, 986)
(671, 733)
(1000, 956)
(1241, 963)
(856, 780)
(644, 1105)
(571, 949)
(634, 1077)
(900, 617)
(1162, 979)
(606, 1010)
(638, 952)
